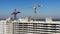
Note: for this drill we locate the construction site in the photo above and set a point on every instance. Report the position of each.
(28, 25)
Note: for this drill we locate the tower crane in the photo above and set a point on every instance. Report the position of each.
(15, 14)
(35, 12)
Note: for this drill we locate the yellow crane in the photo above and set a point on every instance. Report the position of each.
(35, 12)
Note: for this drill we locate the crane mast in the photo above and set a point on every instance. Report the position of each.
(35, 13)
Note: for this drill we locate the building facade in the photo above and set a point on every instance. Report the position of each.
(23, 26)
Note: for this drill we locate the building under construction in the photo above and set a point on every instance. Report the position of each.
(23, 26)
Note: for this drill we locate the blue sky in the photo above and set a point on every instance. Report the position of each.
(50, 8)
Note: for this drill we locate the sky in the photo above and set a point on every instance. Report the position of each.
(50, 8)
